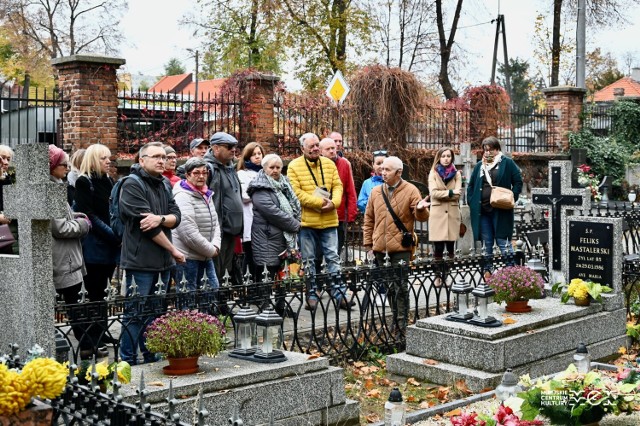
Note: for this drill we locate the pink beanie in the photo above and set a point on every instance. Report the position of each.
(56, 157)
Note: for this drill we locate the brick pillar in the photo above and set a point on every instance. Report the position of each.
(256, 123)
(89, 83)
(566, 103)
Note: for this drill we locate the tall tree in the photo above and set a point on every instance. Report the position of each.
(174, 67)
(602, 70)
(598, 13)
(522, 85)
(404, 28)
(446, 46)
(240, 34)
(49, 29)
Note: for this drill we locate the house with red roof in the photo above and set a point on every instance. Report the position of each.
(625, 87)
(183, 84)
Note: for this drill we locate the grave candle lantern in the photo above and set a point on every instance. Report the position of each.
(461, 289)
(582, 359)
(268, 327)
(244, 328)
(483, 294)
(508, 387)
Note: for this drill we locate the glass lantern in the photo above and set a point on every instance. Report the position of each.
(483, 294)
(395, 409)
(268, 329)
(582, 359)
(244, 328)
(462, 290)
(508, 387)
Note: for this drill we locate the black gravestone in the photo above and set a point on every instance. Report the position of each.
(591, 251)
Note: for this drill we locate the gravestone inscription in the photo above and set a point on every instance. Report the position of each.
(594, 251)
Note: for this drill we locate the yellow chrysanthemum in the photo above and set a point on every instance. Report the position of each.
(580, 293)
(101, 368)
(576, 281)
(14, 393)
(573, 286)
(45, 377)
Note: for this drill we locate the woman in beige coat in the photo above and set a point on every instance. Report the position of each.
(445, 185)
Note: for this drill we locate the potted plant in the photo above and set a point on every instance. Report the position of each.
(572, 398)
(183, 336)
(582, 291)
(104, 373)
(589, 180)
(515, 285)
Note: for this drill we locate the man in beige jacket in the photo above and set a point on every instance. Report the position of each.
(383, 236)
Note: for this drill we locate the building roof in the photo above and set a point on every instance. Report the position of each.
(631, 88)
(171, 83)
(206, 88)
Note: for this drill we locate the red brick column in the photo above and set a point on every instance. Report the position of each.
(256, 123)
(89, 83)
(566, 103)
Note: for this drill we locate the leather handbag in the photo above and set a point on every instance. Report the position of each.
(502, 198)
(463, 229)
(6, 237)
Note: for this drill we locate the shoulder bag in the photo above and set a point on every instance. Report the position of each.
(408, 239)
(501, 198)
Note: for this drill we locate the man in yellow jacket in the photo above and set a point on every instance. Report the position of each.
(316, 183)
(383, 236)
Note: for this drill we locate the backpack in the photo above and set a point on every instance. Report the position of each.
(115, 220)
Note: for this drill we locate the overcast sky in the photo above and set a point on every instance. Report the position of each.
(154, 35)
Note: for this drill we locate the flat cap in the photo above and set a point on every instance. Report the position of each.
(222, 138)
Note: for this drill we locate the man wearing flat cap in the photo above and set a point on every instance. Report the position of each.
(198, 148)
(227, 197)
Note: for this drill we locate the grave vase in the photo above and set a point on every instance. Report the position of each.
(181, 366)
(582, 301)
(518, 306)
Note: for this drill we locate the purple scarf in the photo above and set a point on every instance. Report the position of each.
(446, 173)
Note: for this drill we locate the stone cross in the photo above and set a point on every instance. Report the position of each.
(562, 199)
(27, 294)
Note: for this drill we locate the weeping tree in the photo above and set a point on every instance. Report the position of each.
(387, 101)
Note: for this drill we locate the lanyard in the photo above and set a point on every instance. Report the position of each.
(311, 171)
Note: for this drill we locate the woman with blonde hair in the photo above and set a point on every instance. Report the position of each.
(72, 176)
(248, 167)
(445, 187)
(100, 247)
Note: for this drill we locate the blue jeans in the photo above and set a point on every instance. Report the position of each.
(327, 240)
(487, 236)
(193, 271)
(134, 323)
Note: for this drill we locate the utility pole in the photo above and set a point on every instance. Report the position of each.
(500, 29)
(580, 45)
(197, 64)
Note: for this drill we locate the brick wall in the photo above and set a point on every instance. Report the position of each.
(89, 83)
(566, 102)
(256, 123)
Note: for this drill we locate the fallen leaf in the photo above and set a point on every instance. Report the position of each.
(452, 413)
(509, 320)
(485, 390)
(411, 398)
(461, 385)
(373, 393)
(443, 393)
(430, 362)
(372, 418)
(224, 391)
(530, 332)
(427, 404)
(313, 356)
(348, 386)
(622, 350)
(368, 384)
(359, 364)
(384, 381)
(156, 383)
(413, 381)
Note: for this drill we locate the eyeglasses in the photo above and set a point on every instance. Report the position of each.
(199, 173)
(228, 146)
(379, 153)
(157, 157)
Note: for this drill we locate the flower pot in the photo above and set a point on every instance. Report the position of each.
(181, 366)
(582, 301)
(518, 306)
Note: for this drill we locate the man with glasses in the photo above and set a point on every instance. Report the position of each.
(149, 213)
(198, 149)
(317, 185)
(227, 197)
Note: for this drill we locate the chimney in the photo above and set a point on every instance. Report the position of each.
(618, 91)
(635, 74)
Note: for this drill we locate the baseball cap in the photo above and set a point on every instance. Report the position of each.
(222, 138)
(197, 142)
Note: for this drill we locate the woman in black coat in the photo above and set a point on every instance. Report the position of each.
(490, 224)
(276, 219)
(100, 247)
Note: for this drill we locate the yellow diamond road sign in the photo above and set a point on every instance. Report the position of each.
(338, 88)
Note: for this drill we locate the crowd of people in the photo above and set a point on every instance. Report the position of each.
(184, 224)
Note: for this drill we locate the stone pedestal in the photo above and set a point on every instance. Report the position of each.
(566, 103)
(39, 414)
(256, 122)
(297, 391)
(538, 343)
